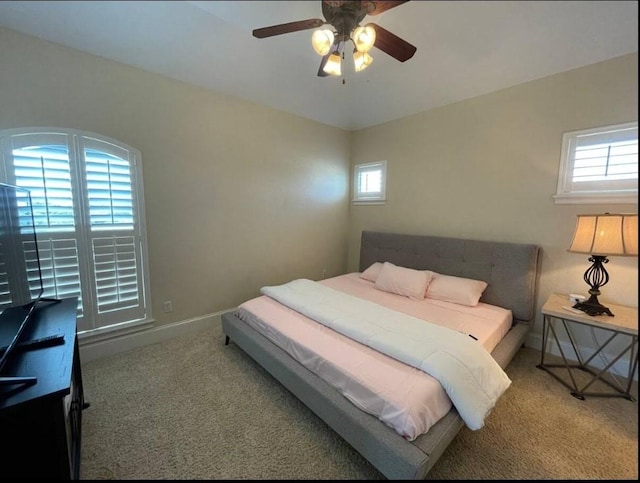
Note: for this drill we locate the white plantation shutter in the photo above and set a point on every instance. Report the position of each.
(369, 182)
(14, 262)
(33, 269)
(41, 165)
(599, 165)
(109, 186)
(87, 196)
(116, 273)
(5, 293)
(115, 249)
(59, 264)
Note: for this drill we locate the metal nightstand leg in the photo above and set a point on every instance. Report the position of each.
(620, 391)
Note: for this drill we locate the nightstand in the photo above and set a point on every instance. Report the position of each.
(624, 324)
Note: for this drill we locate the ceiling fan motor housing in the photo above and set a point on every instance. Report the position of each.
(344, 16)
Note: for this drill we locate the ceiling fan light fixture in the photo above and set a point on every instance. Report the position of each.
(332, 67)
(340, 25)
(322, 40)
(364, 38)
(361, 60)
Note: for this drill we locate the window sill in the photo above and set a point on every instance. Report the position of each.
(101, 334)
(368, 202)
(595, 198)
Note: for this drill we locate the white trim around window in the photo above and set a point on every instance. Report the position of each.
(370, 183)
(599, 165)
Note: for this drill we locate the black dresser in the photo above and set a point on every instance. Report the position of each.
(41, 423)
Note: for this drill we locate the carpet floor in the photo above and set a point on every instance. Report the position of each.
(193, 408)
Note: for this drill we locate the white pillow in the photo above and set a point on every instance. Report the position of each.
(372, 272)
(403, 281)
(463, 291)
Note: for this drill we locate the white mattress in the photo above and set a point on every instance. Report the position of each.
(406, 399)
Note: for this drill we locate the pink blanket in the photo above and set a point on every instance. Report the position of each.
(406, 399)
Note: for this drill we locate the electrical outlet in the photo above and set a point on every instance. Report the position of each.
(324, 273)
(167, 306)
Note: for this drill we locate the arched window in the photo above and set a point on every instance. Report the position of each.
(88, 206)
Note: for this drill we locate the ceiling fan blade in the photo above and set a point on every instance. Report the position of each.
(286, 28)
(383, 6)
(392, 44)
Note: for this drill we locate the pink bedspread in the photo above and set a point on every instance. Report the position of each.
(406, 399)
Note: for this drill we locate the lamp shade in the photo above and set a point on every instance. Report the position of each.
(332, 66)
(361, 60)
(364, 38)
(606, 234)
(322, 40)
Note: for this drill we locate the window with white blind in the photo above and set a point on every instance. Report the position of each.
(599, 165)
(88, 211)
(369, 182)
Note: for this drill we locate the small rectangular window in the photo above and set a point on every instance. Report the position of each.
(599, 165)
(369, 182)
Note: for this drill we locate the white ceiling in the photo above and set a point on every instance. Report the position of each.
(464, 48)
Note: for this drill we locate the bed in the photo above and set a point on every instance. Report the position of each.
(510, 271)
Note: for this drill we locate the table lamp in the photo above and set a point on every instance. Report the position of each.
(602, 236)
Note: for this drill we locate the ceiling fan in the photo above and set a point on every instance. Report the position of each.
(345, 18)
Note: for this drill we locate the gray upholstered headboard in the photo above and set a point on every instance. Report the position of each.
(510, 269)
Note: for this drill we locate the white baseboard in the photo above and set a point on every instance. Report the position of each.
(620, 368)
(96, 348)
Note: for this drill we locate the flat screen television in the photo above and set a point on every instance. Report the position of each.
(21, 286)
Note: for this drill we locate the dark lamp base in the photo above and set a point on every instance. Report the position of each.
(593, 307)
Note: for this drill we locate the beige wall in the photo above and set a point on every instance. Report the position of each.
(487, 169)
(237, 195)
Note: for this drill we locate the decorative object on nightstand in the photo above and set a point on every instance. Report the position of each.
(601, 236)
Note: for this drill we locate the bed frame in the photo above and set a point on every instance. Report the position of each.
(511, 271)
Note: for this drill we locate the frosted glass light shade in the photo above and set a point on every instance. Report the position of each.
(322, 40)
(332, 66)
(364, 38)
(606, 234)
(361, 60)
